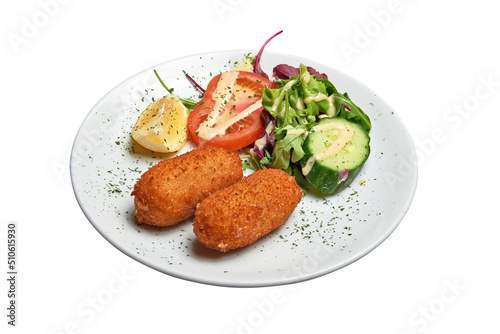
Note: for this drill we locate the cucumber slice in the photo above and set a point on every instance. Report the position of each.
(335, 150)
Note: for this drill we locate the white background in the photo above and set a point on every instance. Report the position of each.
(428, 59)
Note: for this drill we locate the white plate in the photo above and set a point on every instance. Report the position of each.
(322, 235)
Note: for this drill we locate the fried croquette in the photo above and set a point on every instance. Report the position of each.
(168, 192)
(247, 210)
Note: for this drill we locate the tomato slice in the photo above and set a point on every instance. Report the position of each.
(238, 100)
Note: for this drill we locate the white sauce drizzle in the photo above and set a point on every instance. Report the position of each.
(306, 77)
(345, 135)
(293, 131)
(209, 133)
(282, 94)
(260, 143)
(321, 97)
(221, 95)
(300, 104)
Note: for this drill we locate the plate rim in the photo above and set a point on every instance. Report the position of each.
(236, 284)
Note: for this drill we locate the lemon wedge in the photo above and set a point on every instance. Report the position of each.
(162, 126)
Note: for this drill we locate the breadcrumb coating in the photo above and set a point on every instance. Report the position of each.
(168, 192)
(247, 210)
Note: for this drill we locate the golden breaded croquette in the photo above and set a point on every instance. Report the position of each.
(168, 192)
(247, 210)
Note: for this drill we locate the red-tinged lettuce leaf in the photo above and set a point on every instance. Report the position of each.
(256, 66)
(261, 148)
(343, 175)
(284, 72)
(194, 83)
(318, 75)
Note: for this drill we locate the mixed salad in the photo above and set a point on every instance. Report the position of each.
(294, 120)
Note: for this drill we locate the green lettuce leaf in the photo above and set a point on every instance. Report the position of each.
(352, 112)
(288, 149)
